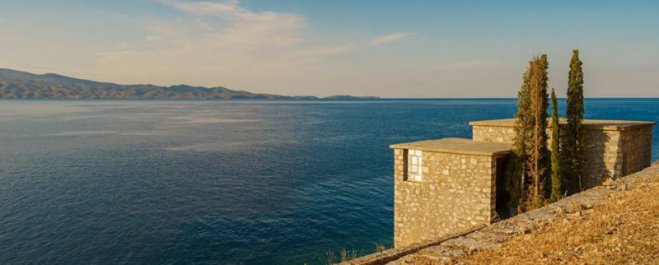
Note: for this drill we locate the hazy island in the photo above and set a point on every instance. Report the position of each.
(23, 85)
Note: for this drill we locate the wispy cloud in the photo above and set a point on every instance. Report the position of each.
(203, 7)
(152, 38)
(232, 9)
(468, 65)
(325, 51)
(390, 38)
(227, 41)
(247, 26)
(203, 24)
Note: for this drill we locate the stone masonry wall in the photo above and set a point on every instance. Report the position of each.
(452, 249)
(609, 153)
(601, 157)
(636, 149)
(457, 192)
(494, 134)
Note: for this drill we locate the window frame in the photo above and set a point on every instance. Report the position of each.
(414, 167)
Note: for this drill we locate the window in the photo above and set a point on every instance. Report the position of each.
(414, 163)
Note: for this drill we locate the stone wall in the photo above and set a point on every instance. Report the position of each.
(616, 153)
(457, 192)
(495, 134)
(454, 187)
(613, 148)
(451, 249)
(636, 149)
(602, 157)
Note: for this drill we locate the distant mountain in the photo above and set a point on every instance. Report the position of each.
(24, 85)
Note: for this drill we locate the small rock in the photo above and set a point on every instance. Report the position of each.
(608, 182)
(576, 214)
(622, 187)
(610, 230)
(577, 207)
(524, 229)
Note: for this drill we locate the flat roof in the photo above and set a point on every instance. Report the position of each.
(607, 125)
(457, 146)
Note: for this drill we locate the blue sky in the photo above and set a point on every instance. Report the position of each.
(384, 48)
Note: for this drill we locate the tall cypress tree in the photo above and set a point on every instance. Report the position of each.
(556, 185)
(574, 134)
(537, 149)
(516, 169)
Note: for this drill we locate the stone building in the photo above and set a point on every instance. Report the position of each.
(613, 148)
(442, 186)
(448, 185)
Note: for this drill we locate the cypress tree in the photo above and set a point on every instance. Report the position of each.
(574, 134)
(537, 148)
(556, 185)
(515, 171)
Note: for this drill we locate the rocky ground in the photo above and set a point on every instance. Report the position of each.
(624, 229)
(614, 224)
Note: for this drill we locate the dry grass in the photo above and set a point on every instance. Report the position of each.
(344, 255)
(380, 248)
(330, 257)
(624, 229)
(347, 255)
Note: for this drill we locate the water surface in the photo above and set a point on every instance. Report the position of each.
(218, 182)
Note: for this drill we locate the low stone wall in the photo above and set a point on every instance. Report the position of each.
(395, 254)
(448, 250)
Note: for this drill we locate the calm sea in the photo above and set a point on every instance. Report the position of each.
(218, 182)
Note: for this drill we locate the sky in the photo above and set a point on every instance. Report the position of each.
(394, 48)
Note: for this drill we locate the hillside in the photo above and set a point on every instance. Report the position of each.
(616, 223)
(23, 85)
(621, 229)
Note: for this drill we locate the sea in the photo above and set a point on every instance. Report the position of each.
(219, 182)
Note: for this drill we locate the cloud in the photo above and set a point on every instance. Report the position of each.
(247, 26)
(232, 10)
(152, 38)
(390, 38)
(225, 42)
(468, 65)
(307, 55)
(204, 25)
